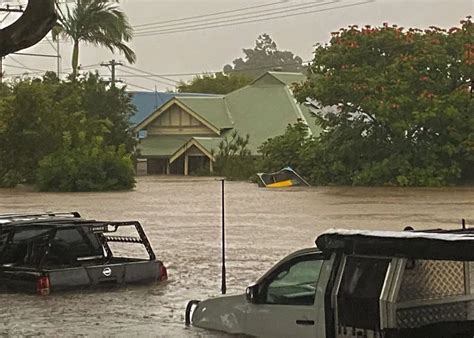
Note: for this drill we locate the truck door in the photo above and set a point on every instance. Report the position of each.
(286, 300)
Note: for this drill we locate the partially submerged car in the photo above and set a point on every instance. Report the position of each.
(55, 251)
(286, 177)
(357, 284)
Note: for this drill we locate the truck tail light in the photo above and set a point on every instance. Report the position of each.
(163, 273)
(42, 286)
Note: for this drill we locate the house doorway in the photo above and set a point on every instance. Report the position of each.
(198, 163)
(177, 167)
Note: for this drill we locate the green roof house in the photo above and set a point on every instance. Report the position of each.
(182, 135)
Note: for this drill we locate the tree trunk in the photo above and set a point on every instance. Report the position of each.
(75, 58)
(37, 20)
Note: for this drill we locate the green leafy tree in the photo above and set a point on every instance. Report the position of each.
(214, 83)
(405, 114)
(97, 22)
(233, 159)
(111, 104)
(87, 165)
(264, 57)
(30, 129)
(53, 133)
(285, 150)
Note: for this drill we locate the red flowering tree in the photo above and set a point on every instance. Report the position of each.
(405, 110)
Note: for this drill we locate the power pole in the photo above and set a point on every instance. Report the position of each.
(111, 65)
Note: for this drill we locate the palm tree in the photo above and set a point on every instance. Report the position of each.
(98, 22)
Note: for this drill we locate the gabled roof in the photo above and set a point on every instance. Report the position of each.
(174, 146)
(205, 144)
(262, 109)
(175, 101)
(212, 109)
(283, 78)
(265, 112)
(148, 102)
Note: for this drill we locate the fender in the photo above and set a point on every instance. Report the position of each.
(227, 313)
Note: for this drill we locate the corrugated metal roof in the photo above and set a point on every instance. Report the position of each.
(262, 112)
(210, 143)
(148, 102)
(289, 78)
(161, 145)
(212, 109)
(272, 78)
(310, 120)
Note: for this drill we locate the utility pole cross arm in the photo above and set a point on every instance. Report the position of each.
(112, 65)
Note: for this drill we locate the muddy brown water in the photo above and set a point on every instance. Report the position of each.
(182, 219)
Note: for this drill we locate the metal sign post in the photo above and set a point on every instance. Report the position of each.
(223, 286)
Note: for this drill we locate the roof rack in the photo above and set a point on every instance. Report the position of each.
(436, 244)
(8, 218)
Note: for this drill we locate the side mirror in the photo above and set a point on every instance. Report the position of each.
(251, 293)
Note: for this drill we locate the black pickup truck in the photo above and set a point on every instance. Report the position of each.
(55, 251)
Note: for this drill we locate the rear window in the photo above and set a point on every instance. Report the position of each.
(69, 245)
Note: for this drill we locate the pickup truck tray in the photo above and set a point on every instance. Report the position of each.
(50, 252)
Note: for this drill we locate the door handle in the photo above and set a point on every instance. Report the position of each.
(304, 322)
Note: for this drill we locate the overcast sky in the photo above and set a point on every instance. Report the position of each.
(300, 24)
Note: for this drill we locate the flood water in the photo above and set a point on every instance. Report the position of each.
(182, 219)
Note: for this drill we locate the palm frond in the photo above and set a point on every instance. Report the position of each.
(101, 23)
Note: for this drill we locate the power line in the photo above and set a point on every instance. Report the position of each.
(216, 72)
(207, 15)
(24, 74)
(35, 54)
(23, 67)
(147, 77)
(47, 41)
(36, 71)
(81, 67)
(18, 62)
(54, 47)
(140, 87)
(241, 15)
(150, 74)
(227, 24)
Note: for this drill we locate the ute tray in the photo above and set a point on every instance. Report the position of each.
(71, 251)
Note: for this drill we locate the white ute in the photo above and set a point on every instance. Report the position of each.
(357, 284)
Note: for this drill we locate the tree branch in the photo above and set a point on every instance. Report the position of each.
(37, 20)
